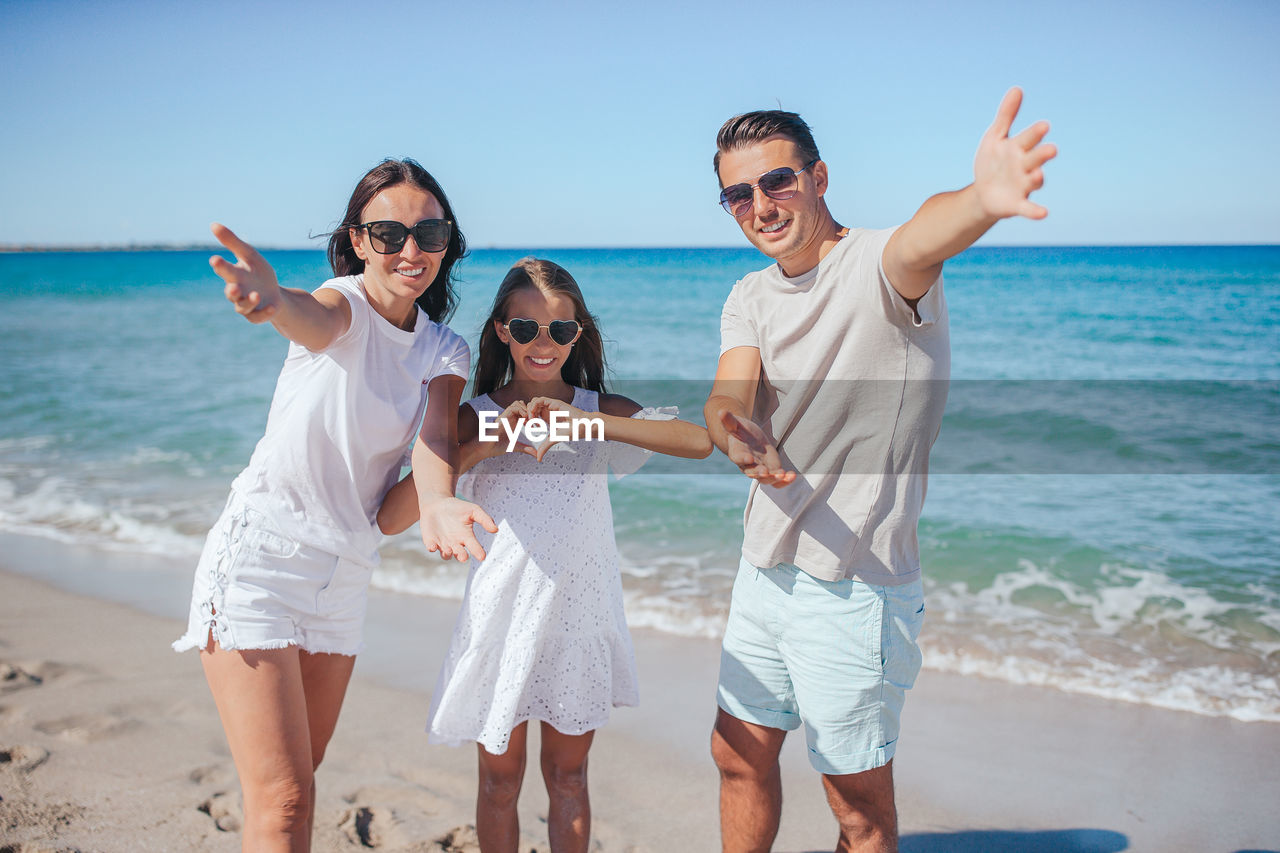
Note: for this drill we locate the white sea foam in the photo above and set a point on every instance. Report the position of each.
(1211, 690)
(1127, 597)
(434, 577)
(1139, 636)
(154, 455)
(1123, 604)
(25, 443)
(54, 511)
(685, 620)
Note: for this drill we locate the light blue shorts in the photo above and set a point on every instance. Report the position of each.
(837, 656)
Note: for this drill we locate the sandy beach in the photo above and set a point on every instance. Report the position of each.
(110, 742)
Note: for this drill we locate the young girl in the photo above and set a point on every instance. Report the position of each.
(542, 634)
(279, 598)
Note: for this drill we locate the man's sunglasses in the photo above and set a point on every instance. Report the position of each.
(388, 237)
(780, 185)
(562, 332)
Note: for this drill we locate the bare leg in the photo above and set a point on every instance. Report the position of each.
(863, 805)
(263, 708)
(497, 821)
(324, 682)
(750, 783)
(564, 769)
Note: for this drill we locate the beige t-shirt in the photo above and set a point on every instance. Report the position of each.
(852, 389)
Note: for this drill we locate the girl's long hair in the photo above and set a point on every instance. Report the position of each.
(585, 366)
(440, 297)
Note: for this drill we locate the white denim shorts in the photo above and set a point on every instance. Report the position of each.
(256, 588)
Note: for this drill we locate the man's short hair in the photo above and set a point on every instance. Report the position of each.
(749, 129)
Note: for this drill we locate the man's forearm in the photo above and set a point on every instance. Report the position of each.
(716, 406)
(943, 227)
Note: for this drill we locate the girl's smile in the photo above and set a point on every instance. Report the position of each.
(538, 362)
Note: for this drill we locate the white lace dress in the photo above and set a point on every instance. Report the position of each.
(541, 634)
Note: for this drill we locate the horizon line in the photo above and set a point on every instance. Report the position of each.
(79, 248)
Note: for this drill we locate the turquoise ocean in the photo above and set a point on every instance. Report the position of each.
(1103, 513)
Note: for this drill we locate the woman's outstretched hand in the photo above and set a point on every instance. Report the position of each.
(251, 282)
(447, 527)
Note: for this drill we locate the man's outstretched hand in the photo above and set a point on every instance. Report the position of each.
(1007, 169)
(754, 454)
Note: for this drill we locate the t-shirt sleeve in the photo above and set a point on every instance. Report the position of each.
(359, 328)
(928, 308)
(735, 329)
(453, 356)
(626, 458)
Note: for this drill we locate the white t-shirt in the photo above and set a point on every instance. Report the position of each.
(852, 388)
(340, 423)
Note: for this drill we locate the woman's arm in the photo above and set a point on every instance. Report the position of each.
(446, 521)
(399, 510)
(313, 320)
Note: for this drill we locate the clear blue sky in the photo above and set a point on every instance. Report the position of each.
(593, 124)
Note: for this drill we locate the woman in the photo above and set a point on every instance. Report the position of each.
(280, 590)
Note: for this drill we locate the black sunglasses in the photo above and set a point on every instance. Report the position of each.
(388, 236)
(779, 184)
(562, 332)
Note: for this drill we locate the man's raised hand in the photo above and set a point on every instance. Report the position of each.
(1007, 169)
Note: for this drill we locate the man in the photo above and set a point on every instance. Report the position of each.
(829, 395)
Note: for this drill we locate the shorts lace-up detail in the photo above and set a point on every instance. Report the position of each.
(258, 589)
(211, 583)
